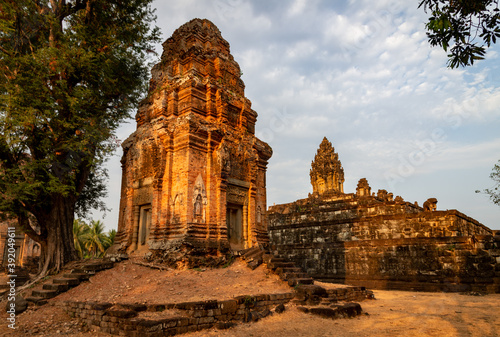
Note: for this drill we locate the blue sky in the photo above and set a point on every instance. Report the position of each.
(362, 74)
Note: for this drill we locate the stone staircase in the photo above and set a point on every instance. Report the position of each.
(21, 277)
(286, 270)
(65, 281)
(310, 297)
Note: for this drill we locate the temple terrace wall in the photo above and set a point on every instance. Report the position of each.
(386, 245)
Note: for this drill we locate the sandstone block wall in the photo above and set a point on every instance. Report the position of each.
(386, 244)
(170, 319)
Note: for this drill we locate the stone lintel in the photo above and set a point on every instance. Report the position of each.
(237, 182)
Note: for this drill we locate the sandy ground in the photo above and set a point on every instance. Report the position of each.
(393, 313)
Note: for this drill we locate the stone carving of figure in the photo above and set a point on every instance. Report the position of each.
(259, 215)
(199, 200)
(176, 208)
(224, 158)
(198, 207)
(430, 205)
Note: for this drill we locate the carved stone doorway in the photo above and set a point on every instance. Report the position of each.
(144, 225)
(234, 221)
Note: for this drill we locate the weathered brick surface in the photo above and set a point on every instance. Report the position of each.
(194, 152)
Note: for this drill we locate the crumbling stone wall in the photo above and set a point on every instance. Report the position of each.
(380, 241)
(386, 245)
(172, 318)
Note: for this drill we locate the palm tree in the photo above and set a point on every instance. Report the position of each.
(80, 230)
(111, 237)
(96, 240)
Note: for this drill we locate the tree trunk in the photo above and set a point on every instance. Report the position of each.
(58, 247)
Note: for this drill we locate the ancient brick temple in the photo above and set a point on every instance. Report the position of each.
(381, 241)
(194, 171)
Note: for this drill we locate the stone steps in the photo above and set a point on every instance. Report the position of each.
(274, 265)
(253, 256)
(71, 282)
(289, 276)
(80, 276)
(64, 282)
(288, 270)
(321, 301)
(57, 287)
(37, 301)
(97, 266)
(271, 258)
(300, 281)
(46, 294)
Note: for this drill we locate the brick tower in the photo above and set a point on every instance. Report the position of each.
(193, 171)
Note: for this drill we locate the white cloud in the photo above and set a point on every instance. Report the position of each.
(297, 8)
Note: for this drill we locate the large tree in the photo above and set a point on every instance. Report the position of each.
(467, 26)
(70, 72)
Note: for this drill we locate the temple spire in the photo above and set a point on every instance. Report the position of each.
(327, 174)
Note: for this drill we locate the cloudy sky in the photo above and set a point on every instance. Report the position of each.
(361, 73)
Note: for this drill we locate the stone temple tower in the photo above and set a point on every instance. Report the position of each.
(327, 174)
(194, 171)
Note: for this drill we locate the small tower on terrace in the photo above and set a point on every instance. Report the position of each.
(363, 189)
(327, 174)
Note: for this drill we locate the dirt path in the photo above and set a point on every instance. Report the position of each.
(393, 313)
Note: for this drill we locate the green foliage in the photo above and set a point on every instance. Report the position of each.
(249, 301)
(90, 240)
(494, 192)
(80, 230)
(229, 261)
(96, 240)
(70, 72)
(111, 235)
(467, 26)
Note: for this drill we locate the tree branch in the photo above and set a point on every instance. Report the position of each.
(26, 227)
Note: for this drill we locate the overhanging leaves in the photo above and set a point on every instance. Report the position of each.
(469, 27)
